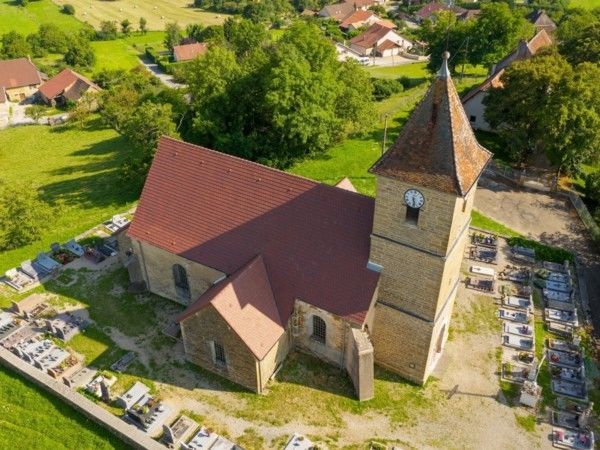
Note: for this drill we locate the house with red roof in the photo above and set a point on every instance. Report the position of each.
(187, 52)
(66, 86)
(359, 19)
(267, 263)
(380, 40)
(19, 79)
(428, 11)
(473, 100)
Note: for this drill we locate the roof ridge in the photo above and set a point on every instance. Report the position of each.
(254, 163)
(448, 83)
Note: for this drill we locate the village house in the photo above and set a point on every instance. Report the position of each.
(66, 86)
(267, 262)
(428, 11)
(542, 21)
(187, 52)
(380, 40)
(19, 79)
(473, 100)
(359, 19)
(339, 11)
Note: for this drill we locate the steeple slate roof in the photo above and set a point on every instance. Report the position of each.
(436, 148)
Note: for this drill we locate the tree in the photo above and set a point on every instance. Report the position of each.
(446, 32)
(48, 39)
(80, 53)
(35, 111)
(68, 9)
(143, 24)
(173, 35)
(195, 31)
(144, 128)
(592, 187)
(126, 27)
(583, 45)
(275, 104)
(14, 45)
(23, 216)
(244, 35)
(108, 30)
(86, 105)
(546, 106)
(496, 32)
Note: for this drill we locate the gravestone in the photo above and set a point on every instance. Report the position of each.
(105, 391)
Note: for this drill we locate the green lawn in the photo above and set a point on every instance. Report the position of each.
(416, 70)
(27, 19)
(32, 418)
(587, 4)
(76, 171)
(123, 53)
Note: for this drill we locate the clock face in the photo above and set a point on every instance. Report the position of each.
(414, 198)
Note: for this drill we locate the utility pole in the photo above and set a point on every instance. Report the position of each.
(465, 58)
(384, 135)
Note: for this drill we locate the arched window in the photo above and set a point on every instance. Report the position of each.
(319, 330)
(181, 282)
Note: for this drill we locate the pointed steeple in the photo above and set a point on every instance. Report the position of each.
(436, 148)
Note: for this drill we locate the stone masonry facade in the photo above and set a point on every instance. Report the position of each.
(415, 299)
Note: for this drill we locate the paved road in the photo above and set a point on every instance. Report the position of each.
(548, 218)
(165, 78)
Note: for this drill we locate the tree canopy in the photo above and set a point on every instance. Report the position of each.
(546, 106)
(278, 105)
(483, 40)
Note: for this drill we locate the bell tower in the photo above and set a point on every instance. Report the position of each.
(426, 183)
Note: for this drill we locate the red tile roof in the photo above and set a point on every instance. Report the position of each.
(436, 148)
(358, 16)
(17, 73)
(370, 37)
(246, 302)
(187, 52)
(338, 11)
(222, 211)
(61, 82)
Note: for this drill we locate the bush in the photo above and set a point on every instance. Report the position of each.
(383, 89)
(592, 187)
(409, 82)
(68, 9)
(543, 252)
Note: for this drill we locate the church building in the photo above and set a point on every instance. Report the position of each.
(267, 262)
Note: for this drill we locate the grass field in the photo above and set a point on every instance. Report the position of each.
(79, 177)
(123, 53)
(588, 4)
(157, 12)
(27, 19)
(32, 418)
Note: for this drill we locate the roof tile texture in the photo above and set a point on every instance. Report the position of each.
(222, 211)
(436, 148)
(18, 72)
(62, 81)
(246, 302)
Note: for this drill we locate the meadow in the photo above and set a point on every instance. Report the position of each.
(586, 4)
(27, 19)
(32, 418)
(157, 12)
(79, 177)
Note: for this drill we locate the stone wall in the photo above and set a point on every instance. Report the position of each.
(157, 269)
(359, 363)
(128, 433)
(198, 333)
(333, 349)
(273, 359)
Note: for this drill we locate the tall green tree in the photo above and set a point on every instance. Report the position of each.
(126, 27)
(244, 35)
(23, 216)
(80, 53)
(544, 106)
(143, 25)
(14, 45)
(496, 32)
(446, 32)
(583, 45)
(173, 35)
(108, 30)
